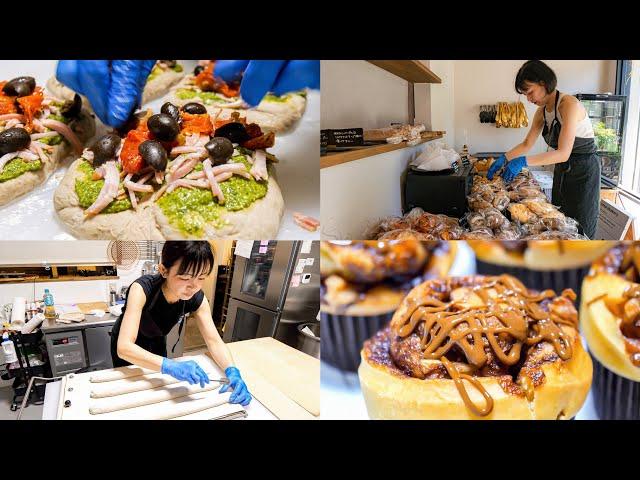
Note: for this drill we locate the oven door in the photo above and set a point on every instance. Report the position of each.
(246, 321)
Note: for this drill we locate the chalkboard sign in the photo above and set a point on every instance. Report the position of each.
(343, 137)
(613, 222)
(325, 135)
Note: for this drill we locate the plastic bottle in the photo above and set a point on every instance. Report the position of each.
(9, 349)
(49, 309)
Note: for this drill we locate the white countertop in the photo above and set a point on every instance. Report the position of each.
(340, 395)
(32, 217)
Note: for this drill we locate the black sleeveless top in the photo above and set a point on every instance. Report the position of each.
(158, 315)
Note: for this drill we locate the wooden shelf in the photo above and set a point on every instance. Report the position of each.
(59, 279)
(411, 70)
(337, 158)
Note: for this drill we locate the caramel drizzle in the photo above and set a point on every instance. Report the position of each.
(520, 316)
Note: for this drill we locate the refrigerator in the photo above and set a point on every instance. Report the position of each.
(607, 114)
(275, 287)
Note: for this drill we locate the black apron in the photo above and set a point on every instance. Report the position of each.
(576, 182)
(150, 336)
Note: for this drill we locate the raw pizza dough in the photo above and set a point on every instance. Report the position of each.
(260, 220)
(271, 116)
(119, 373)
(127, 225)
(160, 84)
(84, 127)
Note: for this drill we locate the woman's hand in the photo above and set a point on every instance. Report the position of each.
(513, 168)
(240, 393)
(188, 370)
(497, 164)
(260, 77)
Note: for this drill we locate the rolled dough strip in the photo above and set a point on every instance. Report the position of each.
(119, 374)
(147, 397)
(171, 409)
(215, 413)
(135, 384)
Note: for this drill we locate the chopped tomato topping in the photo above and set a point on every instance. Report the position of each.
(204, 80)
(196, 123)
(31, 105)
(7, 105)
(132, 162)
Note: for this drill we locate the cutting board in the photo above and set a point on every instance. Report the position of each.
(292, 372)
(87, 307)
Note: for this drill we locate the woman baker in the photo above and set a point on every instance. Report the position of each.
(156, 303)
(566, 128)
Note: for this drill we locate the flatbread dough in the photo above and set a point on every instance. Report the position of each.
(128, 225)
(271, 116)
(161, 84)
(260, 220)
(84, 127)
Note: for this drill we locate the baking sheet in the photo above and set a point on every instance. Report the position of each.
(32, 217)
(80, 400)
(340, 394)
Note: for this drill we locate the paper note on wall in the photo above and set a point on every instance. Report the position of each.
(243, 248)
(306, 246)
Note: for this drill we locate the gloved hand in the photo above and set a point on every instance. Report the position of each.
(513, 168)
(114, 87)
(240, 393)
(262, 76)
(497, 164)
(188, 370)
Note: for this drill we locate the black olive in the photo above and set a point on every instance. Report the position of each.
(72, 108)
(194, 108)
(13, 139)
(163, 126)
(234, 131)
(105, 148)
(198, 69)
(154, 154)
(170, 109)
(20, 86)
(220, 149)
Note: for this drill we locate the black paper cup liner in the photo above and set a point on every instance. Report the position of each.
(614, 397)
(344, 335)
(557, 280)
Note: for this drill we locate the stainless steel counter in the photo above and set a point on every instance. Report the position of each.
(51, 326)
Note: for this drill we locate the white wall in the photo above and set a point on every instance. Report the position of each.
(480, 82)
(442, 99)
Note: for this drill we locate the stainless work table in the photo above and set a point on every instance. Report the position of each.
(51, 326)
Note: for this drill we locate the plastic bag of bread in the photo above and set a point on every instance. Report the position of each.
(509, 233)
(401, 234)
(529, 191)
(564, 224)
(534, 228)
(557, 235)
(475, 220)
(541, 207)
(495, 219)
(480, 234)
(501, 201)
(477, 203)
(514, 196)
(521, 213)
(451, 233)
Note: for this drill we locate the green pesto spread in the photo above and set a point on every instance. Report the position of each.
(273, 98)
(54, 140)
(190, 210)
(206, 97)
(88, 191)
(17, 167)
(156, 70)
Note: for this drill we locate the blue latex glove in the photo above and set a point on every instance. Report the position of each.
(188, 370)
(114, 87)
(513, 168)
(497, 164)
(260, 77)
(240, 393)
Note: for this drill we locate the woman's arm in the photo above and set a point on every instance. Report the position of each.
(530, 139)
(570, 110)
(218, 349)
(127, 348)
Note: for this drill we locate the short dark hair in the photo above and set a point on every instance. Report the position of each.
(196, 256)
(535, 71)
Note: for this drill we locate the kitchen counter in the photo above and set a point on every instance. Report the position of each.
(51, 326)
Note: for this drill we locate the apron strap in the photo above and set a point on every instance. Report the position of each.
(555, 106)
(181, 324)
